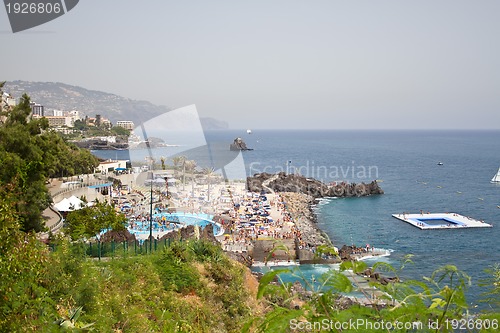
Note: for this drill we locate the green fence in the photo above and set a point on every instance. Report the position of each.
(113, 249)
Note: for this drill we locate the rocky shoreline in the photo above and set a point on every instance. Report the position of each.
(301, 194)
(282, 182)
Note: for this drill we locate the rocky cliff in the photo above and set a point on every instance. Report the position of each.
(300, 184)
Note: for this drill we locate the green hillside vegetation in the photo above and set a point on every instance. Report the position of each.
(187, 286)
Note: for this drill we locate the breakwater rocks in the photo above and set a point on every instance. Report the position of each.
(298, 205)
(283, 182)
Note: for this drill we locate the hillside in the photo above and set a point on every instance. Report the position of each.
(60, 96)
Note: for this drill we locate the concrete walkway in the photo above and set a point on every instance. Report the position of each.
(58, 191)
(53, 220)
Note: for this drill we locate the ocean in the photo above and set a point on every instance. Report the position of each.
(406, 165)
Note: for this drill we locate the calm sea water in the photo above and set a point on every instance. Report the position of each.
(406, 163)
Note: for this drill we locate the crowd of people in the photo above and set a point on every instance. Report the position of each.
(258, 216)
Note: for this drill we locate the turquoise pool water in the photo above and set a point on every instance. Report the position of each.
(174, 221)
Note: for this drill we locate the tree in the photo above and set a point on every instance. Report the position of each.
(80, 125)
(117, 130)
(178, 161)
(90, 221)
(31, 153)
(190, 165)
(162, 160)
(23, 163)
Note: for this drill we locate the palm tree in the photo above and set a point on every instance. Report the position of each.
(178, 160)
(181, 161)
(189, 166)
(209, 172)
(162, 159)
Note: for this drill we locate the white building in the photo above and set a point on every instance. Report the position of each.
(57, 121)
(110, 166)
(8, 100)
(75, 114)
(127, 124)
(59, 113)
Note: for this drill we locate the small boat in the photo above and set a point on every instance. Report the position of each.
(249, 131)
(440, 163)
(496, 178)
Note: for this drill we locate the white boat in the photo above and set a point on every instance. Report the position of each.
(496, 178)
(249, 131)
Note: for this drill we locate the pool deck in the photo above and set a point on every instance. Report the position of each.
(453, 221)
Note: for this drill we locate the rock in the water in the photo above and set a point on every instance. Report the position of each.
(238, 144)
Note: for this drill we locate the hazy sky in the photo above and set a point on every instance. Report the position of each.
(278, 64)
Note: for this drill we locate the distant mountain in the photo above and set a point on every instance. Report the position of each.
(60, 96)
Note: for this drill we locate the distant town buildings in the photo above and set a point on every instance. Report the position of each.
(57, 119)
(127, 124)
(61, 120)
(98, 121)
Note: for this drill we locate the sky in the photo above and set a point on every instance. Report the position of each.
(375, 64)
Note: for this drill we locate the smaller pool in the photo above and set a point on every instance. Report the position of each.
(437, 221)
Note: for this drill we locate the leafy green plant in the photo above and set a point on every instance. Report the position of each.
(70, 322)
(435, 302)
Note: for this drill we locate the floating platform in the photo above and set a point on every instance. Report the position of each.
(441, 221)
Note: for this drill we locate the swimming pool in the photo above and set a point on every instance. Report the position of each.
(172, 221)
